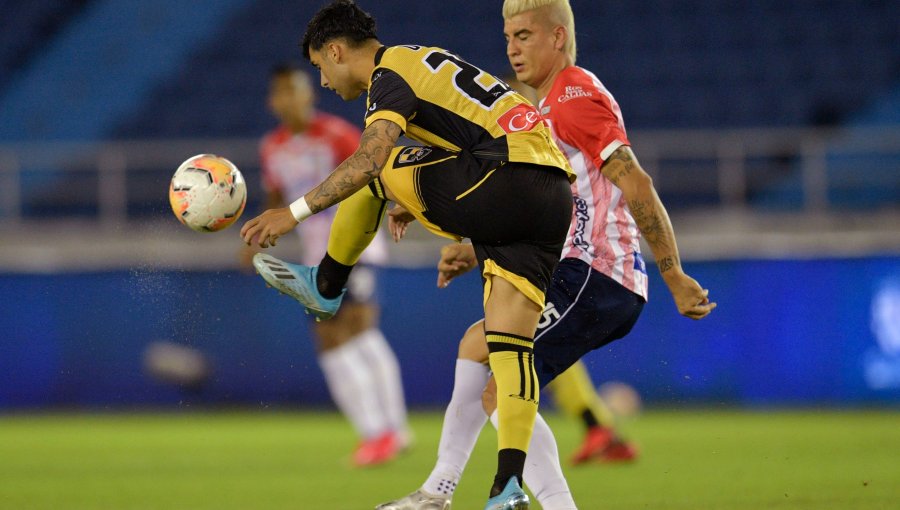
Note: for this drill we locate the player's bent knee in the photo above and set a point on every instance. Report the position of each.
(473, 345)
(510, 310)
(489, 397)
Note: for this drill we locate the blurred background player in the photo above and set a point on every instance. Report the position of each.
(599, 287)
(360, 368)
(574, 392)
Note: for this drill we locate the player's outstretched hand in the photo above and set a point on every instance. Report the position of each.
(265, 229)
(691, 299)
(456, 259)
(398, 221)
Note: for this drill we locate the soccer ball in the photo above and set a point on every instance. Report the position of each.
(207, 193)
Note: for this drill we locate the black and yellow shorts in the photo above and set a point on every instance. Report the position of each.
(516, 214)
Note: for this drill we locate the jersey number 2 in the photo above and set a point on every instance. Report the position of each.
(465, 79)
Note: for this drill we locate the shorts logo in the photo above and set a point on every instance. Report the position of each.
(521, 117)
(550, 314)
(412, 155)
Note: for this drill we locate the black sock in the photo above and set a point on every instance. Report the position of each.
(331, 277)
(589, 419)
(510, 463)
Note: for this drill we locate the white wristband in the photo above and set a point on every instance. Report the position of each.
(300, 210)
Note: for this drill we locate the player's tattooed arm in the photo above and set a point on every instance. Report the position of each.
(623, 169)
(359, 169)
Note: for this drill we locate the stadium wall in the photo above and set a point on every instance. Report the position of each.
(786, 332)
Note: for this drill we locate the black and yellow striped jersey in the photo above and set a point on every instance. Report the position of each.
(439, 99)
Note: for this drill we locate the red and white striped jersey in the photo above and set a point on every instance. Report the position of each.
(295, 163)
(588, 127)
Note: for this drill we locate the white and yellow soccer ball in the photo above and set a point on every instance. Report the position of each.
(208, 193)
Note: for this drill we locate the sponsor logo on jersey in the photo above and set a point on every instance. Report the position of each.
(412, 155)
(521, 117)
(573, 92)
(581, 218)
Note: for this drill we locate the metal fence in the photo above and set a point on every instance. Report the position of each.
(808, 170)
(811, 170)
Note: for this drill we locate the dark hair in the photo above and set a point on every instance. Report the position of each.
(341, 18)
(285, 69)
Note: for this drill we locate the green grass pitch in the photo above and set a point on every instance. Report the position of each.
(692, 459)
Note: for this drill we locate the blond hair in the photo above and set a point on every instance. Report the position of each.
(560, 14)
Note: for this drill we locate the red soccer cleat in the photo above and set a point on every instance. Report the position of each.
(601, 443)
(595, 441)
(619, 450)
(379, 450)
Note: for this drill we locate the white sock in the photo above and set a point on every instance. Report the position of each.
(543, 474)
(351, 384)
(463, 422)
(385, 372)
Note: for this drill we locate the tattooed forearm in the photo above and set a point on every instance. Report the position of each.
(359, 169)
(645, 206)
(665, 263)
(619, 166)
(655, 229)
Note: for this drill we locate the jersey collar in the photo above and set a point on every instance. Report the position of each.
(379, 54)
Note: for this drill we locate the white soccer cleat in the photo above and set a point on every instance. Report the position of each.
(418, 500)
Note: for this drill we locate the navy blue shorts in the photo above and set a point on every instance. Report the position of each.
(585, 310)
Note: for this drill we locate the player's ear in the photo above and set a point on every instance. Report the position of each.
(560, 36)
(335, 52)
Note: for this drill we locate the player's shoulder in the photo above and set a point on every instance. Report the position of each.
(325, 120)
(275, 137)
(576, 92)
(576, 84)
(395, 57)
(405, 59)
(405, 51)
(329, 125)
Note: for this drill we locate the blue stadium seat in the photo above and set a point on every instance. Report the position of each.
(26, 26)
(670, 63)
(784, 58)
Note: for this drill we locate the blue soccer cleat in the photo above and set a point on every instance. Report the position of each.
(299, 282)
(512, 498)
